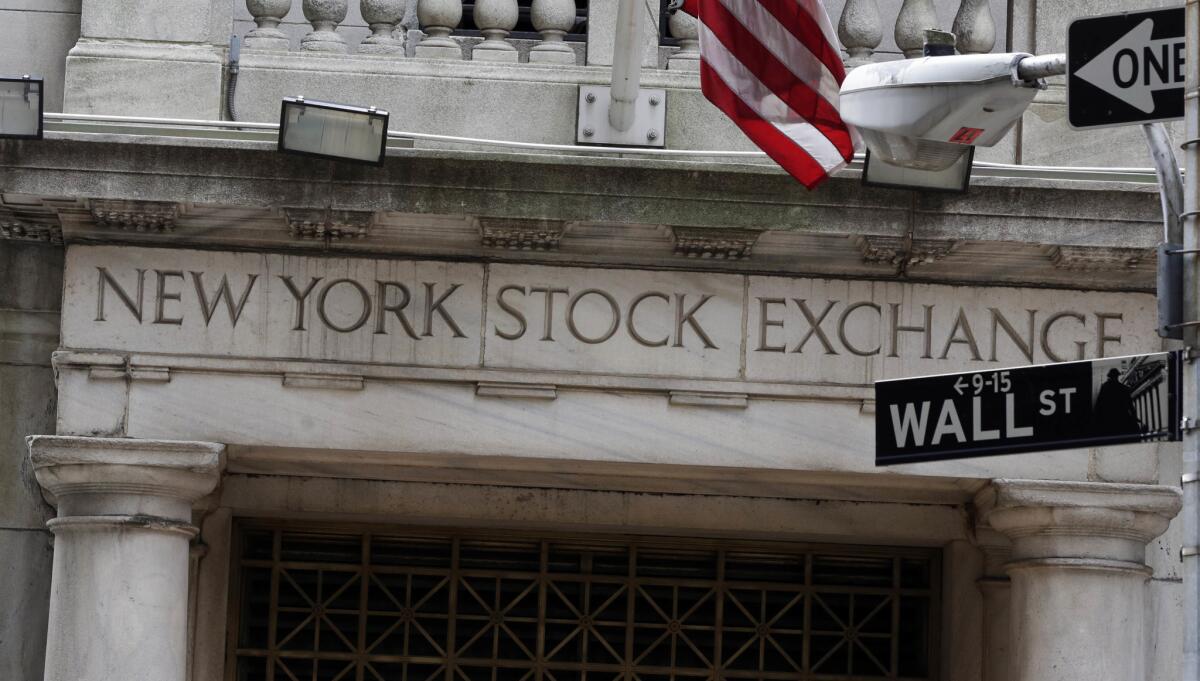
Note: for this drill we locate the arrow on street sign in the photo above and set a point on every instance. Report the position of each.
(1126, 68)
(961, 384)
(1135, 66)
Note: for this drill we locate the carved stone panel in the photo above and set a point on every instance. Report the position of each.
(895, 250)
(614, 321)
(318, 223)
(135, 216)
(698, 242)
(23, 227)
(636, 323)
(521, 235)
(1084, 258)
(843, 331)
(270, 305)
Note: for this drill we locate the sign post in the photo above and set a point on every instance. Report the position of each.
(1108, 401)
(1126, 68)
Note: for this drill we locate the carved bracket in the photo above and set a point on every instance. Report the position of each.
(321, 224)
(20, 227)
(135, 216)
(894, 250)
(1087, 258)
(722, 244)
(521, 235)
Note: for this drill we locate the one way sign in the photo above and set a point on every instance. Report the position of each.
(1126, 68)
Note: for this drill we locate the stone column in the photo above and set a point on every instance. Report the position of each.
(119, 585)
(1078, 574)
(996, 590)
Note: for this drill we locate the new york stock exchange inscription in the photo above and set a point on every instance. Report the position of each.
(633, 322)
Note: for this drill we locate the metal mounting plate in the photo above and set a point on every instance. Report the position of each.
(649, 120)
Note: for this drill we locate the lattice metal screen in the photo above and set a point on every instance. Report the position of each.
(324, 606)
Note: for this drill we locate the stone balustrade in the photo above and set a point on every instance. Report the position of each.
(860, 30)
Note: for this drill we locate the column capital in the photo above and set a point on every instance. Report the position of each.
(1048, 519)
(92, 476)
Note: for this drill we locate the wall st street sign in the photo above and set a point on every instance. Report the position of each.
(1054, 406)
(1126, 68)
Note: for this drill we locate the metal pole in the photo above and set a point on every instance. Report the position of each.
(1170, 181)
(1032, 68)
(1191, 383)
(1184, 226)
(627, 65)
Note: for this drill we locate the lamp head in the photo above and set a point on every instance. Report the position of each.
(926, 115)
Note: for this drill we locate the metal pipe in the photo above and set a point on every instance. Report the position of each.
(627, 65)
(1032, 68)
(1170, 180)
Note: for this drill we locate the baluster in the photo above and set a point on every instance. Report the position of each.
(324, 15)
(915, 16)
(974, 28)
(438, 18)
(684, 29)
(267, 15)
(860, 30)
(495, 18)
(382, 16)
(552, 18)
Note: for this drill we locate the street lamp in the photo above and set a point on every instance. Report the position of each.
(21, 107)
(922, 118)
(334, 131)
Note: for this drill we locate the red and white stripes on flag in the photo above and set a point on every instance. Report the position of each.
(773, 67)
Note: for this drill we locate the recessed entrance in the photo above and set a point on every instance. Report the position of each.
(384, 604)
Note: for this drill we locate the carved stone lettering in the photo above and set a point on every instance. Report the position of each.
(682, 324)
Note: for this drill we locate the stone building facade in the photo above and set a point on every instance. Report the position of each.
(496, 412)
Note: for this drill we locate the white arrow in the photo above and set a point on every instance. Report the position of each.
(959, 384)
(1121, 69)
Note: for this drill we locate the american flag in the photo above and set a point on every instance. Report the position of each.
(773, 67)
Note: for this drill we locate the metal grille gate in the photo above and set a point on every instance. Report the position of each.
(405, 606)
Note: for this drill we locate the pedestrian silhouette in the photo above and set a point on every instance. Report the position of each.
(1114, 414)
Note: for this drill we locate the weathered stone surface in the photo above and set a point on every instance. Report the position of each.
(111, 78)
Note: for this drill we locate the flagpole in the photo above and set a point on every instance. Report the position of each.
(627, 65)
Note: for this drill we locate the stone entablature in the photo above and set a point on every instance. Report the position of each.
(617, 322)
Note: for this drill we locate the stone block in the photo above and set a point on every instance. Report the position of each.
(1128, 463)
(194, 21)
(451, 102)
(115, 80)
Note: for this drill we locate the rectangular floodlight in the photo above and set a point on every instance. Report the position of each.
(21, 107)
(334, 131)
(955, 178)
